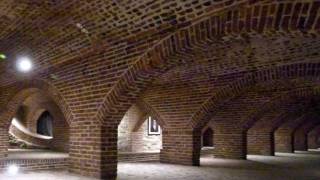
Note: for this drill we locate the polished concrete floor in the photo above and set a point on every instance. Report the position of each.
(298, 166)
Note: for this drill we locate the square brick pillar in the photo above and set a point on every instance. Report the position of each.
(312, 141)
(93, 150)
(260, 143)
(230, 145)
(4, 142)
(181, 147)
(284, 142)
(300, 142)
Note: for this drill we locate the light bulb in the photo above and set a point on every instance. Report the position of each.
(24, 64)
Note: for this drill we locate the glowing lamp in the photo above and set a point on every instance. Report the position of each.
(24, 64)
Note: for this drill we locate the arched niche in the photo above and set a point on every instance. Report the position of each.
(207, 138)
(44, 124)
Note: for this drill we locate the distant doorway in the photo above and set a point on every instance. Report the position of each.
(44, 124)
(207, 138)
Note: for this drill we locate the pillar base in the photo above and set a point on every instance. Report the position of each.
(284, 143)
(181, 146)
(98, 175)
(260, 143)
(230, 146)
(176, 157)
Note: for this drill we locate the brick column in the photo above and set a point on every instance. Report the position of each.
(301, 133)
(312, 141)
(4, 142)
(313, 137)
(230, 144)
(301, 142)
(93, 150)
(284, 141)
(260, 143)
(181, 147)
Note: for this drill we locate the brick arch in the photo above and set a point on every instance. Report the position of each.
(180, 47)
(148, 111)
(284, 134)
(280, 100)
(34, 118)
(19, 91)
(51, 108)
(209, 125)
(260, 137)
(285, 72)
(312, 138)
(263, 142)
(297, 122)
(239, 114)
(300, 133)
(282, 113)
(206, 136)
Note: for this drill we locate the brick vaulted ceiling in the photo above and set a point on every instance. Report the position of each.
(83, 47)
(54, 32)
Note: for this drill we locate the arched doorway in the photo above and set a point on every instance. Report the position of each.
(44, 124)
(139, 137)
(207, 138)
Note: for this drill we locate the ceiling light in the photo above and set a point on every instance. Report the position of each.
(24, 64)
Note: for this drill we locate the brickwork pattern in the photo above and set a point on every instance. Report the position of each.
(97, 58)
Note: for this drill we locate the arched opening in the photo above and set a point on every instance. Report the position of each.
(207, 138)
(148, 137)
(139, 137)
(207, 143)
(38, 132)
(44, 124)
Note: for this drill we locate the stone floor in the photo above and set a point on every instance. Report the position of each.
(301, 165)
